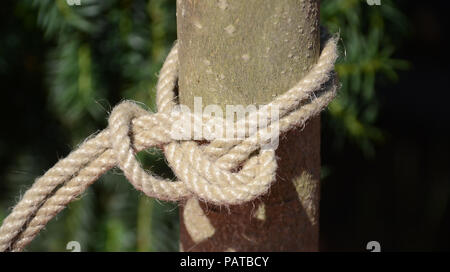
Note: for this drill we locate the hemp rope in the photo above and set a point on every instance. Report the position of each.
(209, 171)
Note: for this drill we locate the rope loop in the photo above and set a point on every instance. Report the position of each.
(198, 174)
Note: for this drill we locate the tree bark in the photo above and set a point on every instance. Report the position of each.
(235, 52)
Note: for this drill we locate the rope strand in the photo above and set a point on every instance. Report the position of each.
(207, 172)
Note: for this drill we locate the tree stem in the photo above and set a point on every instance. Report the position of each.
(235, 52)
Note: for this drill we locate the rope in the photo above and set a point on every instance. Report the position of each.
(224, 171)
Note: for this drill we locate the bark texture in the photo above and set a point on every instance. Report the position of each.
(235, 52)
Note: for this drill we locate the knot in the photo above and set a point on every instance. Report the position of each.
(224, 170)
(198, 174)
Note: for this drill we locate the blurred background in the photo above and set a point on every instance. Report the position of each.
(385, 139)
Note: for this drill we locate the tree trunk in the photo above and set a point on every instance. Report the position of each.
(235, 52)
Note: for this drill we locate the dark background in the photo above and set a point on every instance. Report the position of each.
(399, 197)
(397, 194)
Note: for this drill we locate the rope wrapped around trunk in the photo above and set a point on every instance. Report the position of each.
(223, 171)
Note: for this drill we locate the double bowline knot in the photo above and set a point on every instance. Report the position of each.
(204, 171)
(225, 170)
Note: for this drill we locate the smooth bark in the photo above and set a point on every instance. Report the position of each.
(235, 52)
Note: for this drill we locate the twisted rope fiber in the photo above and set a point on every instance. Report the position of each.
(207, 171)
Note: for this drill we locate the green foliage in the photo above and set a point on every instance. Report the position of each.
(368, 36)
(104, 51)
(107, 50)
